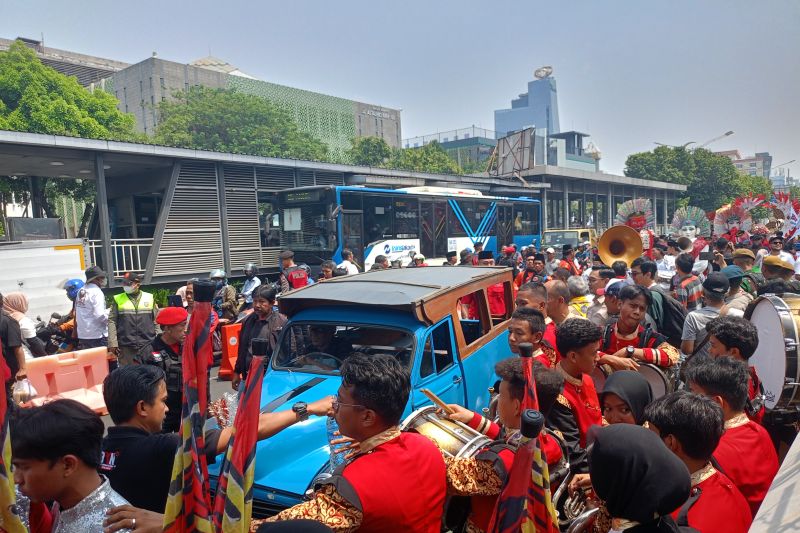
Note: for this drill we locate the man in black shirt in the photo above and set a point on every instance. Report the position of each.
(11, 339)
(137, 459)
(264, 323)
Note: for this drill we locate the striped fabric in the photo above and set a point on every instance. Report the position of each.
(525, 504)
(188, 504)
(233, 505)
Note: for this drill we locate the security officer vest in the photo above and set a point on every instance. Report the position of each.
(135, 322)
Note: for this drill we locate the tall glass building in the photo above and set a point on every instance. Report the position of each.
(536, 108)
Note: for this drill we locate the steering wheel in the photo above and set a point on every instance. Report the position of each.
(316, 355)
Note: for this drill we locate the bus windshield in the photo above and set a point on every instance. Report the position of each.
(307, 226)
(552, 238)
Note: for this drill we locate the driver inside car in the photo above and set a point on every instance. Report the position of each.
(325, 349)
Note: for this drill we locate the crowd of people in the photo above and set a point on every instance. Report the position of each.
(697, 457)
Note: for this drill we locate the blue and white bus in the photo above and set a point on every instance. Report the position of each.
(317, 223)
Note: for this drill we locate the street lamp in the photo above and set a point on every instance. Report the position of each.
(685, 145)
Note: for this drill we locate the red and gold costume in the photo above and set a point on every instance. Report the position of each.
(570, 265)
(746, 455)
(655, 346)
(574, 412)
(753, 390)
(483, 477)
(396, 483)
(546, 355)
(718, 506)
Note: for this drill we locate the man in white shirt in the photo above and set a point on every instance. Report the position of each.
(347, 262)
(91, 316)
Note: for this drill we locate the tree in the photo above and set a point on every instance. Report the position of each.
(711, 179)
(225, 120)
(369, 151)
(37, 99)
(430, 158)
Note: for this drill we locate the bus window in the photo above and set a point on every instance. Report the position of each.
(305, 227)
(526, 219)
(269, 221)
(377, 218)
(455, 227)
(406, 218)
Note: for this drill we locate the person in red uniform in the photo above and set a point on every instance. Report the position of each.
(527, 325)
(534, 271)
(483, 477)
(495, 293)
(397, 481)
(737, 337)
(568, 260)
(745, 452)
(627, 343)
(691, 426)
(577, 408)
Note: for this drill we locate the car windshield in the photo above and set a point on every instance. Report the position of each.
(318, 347)
(560, 237)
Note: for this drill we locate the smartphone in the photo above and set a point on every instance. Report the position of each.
(706, 256)
(174, 300)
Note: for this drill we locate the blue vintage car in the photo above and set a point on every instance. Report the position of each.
(413, 314)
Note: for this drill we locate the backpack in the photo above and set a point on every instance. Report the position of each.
(296, 277)
(669, 315)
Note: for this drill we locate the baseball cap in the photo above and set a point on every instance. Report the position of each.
(550, 250)
(733, 272)
(509, 249)
(717, 283)
(130, 277)
(744, 252)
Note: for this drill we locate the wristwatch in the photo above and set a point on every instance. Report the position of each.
(301, 410)
(629, 351)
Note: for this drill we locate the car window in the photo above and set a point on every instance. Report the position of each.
(437, 355)
(318, 347)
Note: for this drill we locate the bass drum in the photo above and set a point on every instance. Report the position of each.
(599, 376)
(660, 384)
(453, 438)
(775, 359)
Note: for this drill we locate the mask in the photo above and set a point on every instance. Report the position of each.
(129, 289)
(219, 285)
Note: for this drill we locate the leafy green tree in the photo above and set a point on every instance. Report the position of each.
(225, 120)
(429, 158)
(369, 151)
(711, 179)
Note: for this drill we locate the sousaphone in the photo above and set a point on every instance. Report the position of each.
(620, 243)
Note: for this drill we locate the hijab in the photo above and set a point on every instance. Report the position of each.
(632, 388)
(635, 474)
(16, 305)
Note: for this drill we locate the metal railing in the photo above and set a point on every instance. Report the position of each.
(128, 255)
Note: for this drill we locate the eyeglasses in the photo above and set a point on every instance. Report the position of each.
(336, 404)
(635, 273)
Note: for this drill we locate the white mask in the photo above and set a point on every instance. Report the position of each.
(128, 289)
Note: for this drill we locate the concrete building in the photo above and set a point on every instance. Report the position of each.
(333, 120)
(87, 69)
(467, 146)
(758, 165)
(538, 107)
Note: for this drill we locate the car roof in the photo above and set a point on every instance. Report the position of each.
(406, 289)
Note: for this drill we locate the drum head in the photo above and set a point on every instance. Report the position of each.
(659, 384)
(599, 378)
(769, 358)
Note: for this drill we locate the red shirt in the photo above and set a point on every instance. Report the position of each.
(497, 299)
(570, 265)
(753, 391)
(584, 405)
(657, 351)
(550, 335)
(721, 508)
(746, 455)
(400, 484)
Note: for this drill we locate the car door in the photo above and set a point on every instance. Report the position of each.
(438, 368)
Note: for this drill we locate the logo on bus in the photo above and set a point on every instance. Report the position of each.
(387, 249)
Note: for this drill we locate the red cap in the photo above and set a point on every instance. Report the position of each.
(508, 250)
(169, 316)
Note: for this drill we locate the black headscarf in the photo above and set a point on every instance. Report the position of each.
(632, 388)
(635, 474)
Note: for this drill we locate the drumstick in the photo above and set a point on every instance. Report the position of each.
(438, 401)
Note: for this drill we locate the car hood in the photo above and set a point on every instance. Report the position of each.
(288, 461)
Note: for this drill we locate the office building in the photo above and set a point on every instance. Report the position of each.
(538, 107)
(466, 146)
(757, 165)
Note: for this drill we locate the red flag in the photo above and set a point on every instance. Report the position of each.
(233, 504)
(188, 504)
(525, 504)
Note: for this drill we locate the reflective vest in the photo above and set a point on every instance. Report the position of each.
(135, 322)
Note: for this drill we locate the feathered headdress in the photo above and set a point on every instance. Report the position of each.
(732, 218)
(787, 205)
(749, 202)
(638, 209)
(691, 216)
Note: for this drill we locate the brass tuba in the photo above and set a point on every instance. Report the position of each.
(619, 243)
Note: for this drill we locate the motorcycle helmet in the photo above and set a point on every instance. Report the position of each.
(72, 287)
(251, 267)
(217, 273)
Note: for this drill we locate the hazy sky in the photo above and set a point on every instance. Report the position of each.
(629, 72)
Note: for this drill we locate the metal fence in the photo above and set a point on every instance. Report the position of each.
(128, 255)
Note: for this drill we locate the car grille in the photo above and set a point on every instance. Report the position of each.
(262, 509)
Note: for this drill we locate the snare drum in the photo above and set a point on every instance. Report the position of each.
(599, 376)
(775, 359)
(453, 438)
(660, 384)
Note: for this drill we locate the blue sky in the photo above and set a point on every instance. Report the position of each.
(630, 72)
